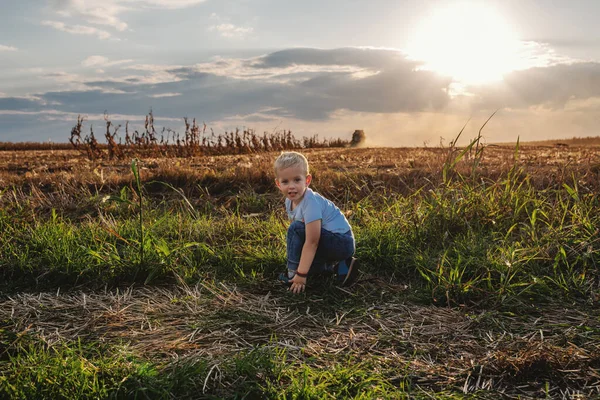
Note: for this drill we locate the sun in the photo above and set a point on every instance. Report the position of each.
(467, 41)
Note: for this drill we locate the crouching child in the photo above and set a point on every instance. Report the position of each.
(319, 238)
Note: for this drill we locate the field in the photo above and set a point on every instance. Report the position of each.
(155, 278)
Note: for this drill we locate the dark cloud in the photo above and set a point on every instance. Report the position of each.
(361, 57)
(95, 101)
(225, 99)
(189, 73)
(103, 84)
(367, 80)
(550, 86)
(394, 90)
(19, 104)
(55, 75)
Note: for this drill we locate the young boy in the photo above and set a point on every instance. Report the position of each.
(319, 238)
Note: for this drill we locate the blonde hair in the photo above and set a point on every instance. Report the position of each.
(290, 159)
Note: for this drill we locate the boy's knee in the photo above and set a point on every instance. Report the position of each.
(296, 226)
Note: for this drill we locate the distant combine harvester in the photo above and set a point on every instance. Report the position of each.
(358, 138)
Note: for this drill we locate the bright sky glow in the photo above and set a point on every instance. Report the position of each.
(469, 42)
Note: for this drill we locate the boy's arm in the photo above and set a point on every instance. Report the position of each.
(313, 235)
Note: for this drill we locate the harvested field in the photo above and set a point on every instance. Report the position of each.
(479, 277)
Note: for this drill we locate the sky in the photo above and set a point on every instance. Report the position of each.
(407, 72)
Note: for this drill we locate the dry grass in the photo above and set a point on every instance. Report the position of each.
(337, 172)
(48, 166)
(439, 348)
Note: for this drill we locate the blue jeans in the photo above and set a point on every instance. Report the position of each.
(333, 248)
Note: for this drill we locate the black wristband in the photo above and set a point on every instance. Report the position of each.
(301, 275)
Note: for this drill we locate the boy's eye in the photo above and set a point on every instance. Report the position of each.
(297, 179)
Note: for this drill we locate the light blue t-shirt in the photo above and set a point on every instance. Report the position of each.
(312, 207)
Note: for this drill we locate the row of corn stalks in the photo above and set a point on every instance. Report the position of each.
(196, 140)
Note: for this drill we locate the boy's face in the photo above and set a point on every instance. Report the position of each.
(293, 183)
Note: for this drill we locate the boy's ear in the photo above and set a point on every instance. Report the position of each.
(277, 183)
(308, 179)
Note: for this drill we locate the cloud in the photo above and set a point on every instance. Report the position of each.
(552, 86)
(307, 85)
(78, 29)
(108, 12)
(130, 81)
(539, 54)
(102, 81)
(101, 61)
(230, 30)
(170, 4)
(12, 104)
(93, 12)
(57, 115)
(92, 61)
(298, 65)
(65, 81)
(7, 48)
(364, 57)
(160, 95)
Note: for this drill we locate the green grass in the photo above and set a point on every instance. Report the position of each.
(497, 242)
(32, 369)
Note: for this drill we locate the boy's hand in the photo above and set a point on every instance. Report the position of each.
(298, 284)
